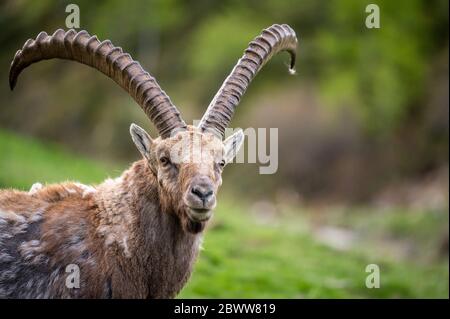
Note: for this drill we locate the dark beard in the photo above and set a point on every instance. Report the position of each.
(194, 227)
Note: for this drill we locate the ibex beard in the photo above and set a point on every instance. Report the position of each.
(136, 236)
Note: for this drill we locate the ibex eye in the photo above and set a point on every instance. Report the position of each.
(222, 163)
(164, 160)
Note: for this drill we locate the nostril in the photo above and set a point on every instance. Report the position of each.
(197, 191)
(208, 194)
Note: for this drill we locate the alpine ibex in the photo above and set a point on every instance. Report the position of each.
(136, 236)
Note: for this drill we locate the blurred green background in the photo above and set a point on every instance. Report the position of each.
(363, 135)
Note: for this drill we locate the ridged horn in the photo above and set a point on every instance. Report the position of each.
(110, 60)
(272, 40)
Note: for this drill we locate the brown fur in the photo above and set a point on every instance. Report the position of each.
(124, 245)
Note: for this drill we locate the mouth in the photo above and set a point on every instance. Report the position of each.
(199, 214)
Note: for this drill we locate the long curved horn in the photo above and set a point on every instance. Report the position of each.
(272, 40)
(110, 60)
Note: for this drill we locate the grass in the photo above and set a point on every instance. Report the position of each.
(281, 258)
(24, 161)
(246, 259)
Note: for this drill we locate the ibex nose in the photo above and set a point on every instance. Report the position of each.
(201, 193)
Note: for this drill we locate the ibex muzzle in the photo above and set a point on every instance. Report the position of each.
(200, 197)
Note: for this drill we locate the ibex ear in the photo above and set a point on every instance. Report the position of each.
(232, 145)
(142, 140)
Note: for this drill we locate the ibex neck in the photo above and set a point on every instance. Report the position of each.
(132, 219)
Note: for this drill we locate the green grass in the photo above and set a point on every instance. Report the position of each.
(245, 258)
(24, 161)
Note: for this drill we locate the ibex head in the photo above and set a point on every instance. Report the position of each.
(187, 161)
(188, 167)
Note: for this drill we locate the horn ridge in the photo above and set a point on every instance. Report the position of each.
(108, 59)
(271, 41)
